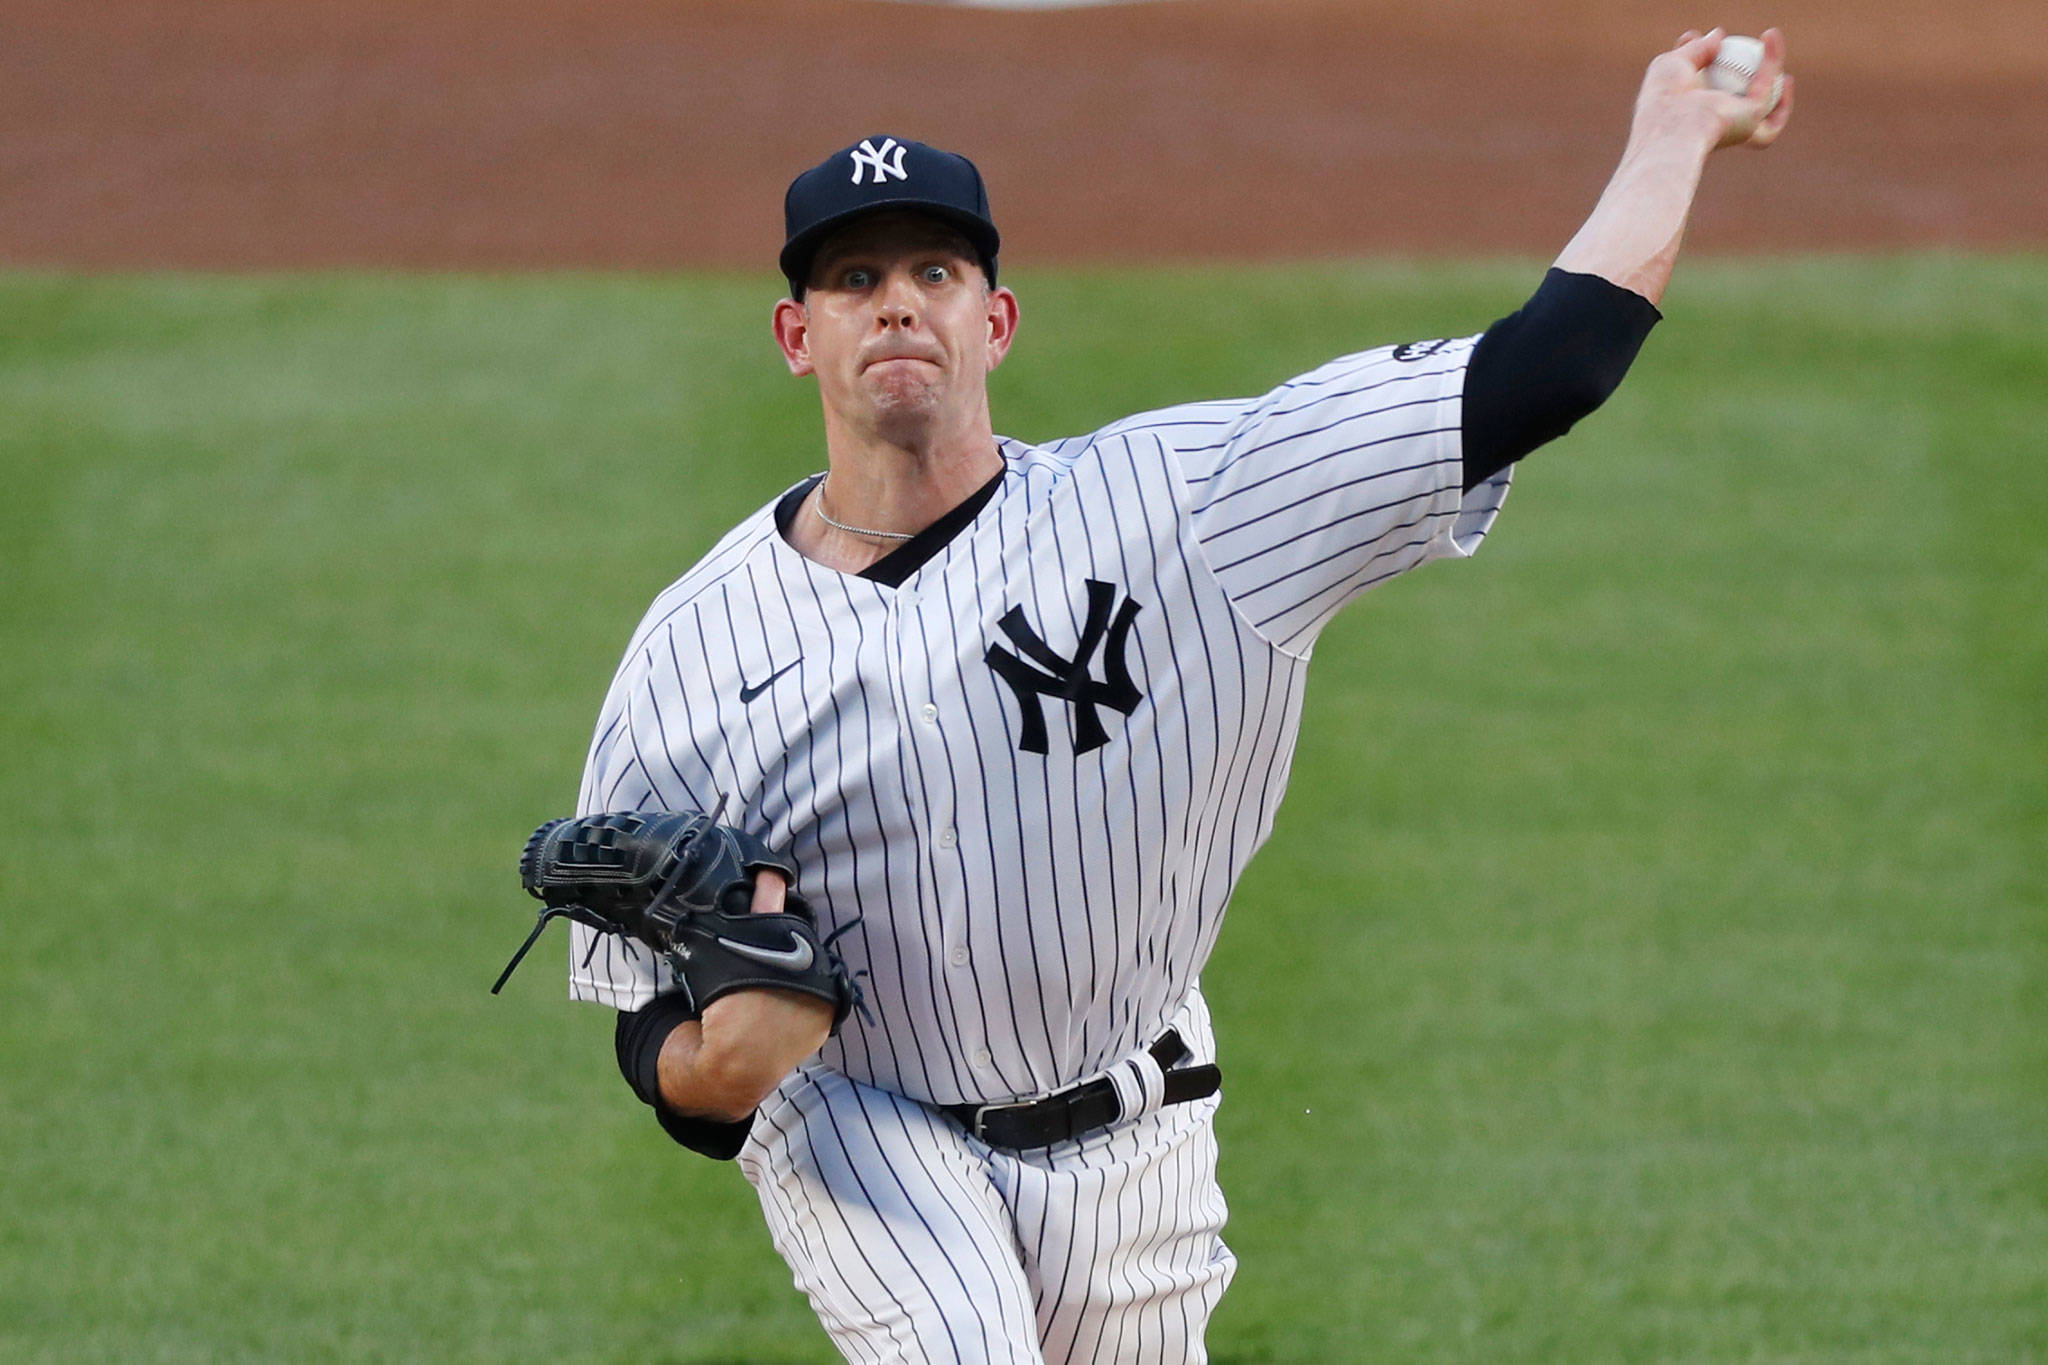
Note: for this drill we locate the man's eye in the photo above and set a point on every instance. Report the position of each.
(936, 274)
(859, 279)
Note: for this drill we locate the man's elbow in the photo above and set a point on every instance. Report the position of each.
(1593, 382)
(1572, 399)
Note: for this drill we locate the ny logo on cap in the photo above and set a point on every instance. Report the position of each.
(868, 157)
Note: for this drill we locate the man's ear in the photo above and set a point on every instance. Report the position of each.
(793, 335)
(1002, 324)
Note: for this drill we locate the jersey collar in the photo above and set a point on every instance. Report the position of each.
(892, 569)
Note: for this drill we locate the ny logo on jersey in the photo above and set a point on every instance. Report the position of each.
(1068, 679)
(868, 157)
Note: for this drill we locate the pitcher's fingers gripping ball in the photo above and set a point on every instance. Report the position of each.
(685, 886)
(1744, 76)
(1738, 63)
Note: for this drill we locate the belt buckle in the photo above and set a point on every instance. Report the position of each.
(978, 1127)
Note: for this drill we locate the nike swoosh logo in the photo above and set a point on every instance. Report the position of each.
(747, 694)
(790, 959)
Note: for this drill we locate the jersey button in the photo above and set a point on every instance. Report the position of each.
(958, 956)
(947, 838)
(930, 714)
(982, 1058)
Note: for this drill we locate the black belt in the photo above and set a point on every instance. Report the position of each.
(1081, 1109)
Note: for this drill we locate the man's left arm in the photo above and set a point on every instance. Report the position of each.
(1542, 368)
(1354, 473)
(1632, 236)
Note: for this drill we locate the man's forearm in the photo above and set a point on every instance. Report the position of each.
(705, 1076)
(747, 1042)
(1632, 236)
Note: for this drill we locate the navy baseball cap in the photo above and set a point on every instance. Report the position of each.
(879, 173)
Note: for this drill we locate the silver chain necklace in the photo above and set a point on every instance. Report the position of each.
(818, 506)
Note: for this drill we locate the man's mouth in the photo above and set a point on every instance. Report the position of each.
(894, 356)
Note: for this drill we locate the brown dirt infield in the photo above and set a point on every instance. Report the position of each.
(519, 133)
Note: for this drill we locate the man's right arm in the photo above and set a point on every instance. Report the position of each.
(704, 1078)
(723, 1067)
(747, 1042)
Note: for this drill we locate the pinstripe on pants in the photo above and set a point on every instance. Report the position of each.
(916, 1242)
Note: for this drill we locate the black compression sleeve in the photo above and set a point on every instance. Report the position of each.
(1543, 367)
(638, 1041)
(705, 1137)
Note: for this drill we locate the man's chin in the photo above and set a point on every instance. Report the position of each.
(903, 400)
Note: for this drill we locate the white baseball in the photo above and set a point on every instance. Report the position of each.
(1737, 64)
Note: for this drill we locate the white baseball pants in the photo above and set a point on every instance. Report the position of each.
(917, 1243)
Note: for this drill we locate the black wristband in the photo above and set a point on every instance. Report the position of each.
(1543, 367)
(638, 1040)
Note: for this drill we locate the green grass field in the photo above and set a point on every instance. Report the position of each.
(1685, 856)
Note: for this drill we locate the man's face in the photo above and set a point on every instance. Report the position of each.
(900, 326)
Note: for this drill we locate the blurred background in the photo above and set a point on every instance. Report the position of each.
(366, 368)
(656, 134)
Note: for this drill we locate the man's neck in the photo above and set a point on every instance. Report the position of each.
(878, 486)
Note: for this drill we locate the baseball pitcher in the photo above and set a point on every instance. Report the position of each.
(914, 808)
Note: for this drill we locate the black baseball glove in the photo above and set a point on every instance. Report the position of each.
(684, 886)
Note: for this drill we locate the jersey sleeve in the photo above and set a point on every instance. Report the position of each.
(629, 767)
(605, 968)
(1339, 479)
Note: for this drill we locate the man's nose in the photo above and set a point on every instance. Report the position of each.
(895, 305)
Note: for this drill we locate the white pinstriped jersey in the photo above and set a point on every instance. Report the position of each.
(1034, 771)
